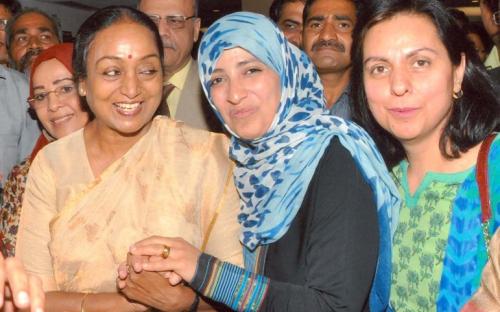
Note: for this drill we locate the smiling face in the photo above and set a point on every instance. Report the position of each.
(61, 114)
(246, 93)
(124, 78)
(409, 79)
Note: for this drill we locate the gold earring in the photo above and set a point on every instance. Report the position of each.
(459, 94)
(82, 92)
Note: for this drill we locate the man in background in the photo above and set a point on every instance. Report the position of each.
(490, 15)
(327, 39)
(179, 28)
(8, 8)
(30, 32)
(287, 14)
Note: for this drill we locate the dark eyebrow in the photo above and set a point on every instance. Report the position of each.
(240, 64)
(20, 31)
(375, 59)
(343, 18)
(420, 50)
(62, 79)
(46, 29)
(291, 21)
(24, 30)
(408, 55)
(116, 58)
(113, 58)
(317, 18)
(249, 61)
(54, 82)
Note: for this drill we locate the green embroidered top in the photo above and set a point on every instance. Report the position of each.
(421, 238)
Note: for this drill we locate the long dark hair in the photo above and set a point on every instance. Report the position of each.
(100, 20)
(473, 116)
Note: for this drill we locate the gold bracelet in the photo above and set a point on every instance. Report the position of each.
(83, 302)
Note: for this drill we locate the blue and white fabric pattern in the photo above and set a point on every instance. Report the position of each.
(273, 172)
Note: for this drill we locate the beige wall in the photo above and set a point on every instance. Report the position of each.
(259, 6)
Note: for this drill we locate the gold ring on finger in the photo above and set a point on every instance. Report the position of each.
(166, 252)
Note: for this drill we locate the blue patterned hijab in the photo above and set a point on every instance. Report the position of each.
(273, 172)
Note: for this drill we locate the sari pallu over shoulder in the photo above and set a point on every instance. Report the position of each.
(170, 183)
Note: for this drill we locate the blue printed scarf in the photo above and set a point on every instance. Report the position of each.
(273, 172)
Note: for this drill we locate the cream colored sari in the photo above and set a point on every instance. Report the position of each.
(175, 181)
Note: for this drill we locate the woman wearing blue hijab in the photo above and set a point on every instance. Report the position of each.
(312, 186)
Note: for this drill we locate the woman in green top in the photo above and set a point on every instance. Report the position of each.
(428, 103)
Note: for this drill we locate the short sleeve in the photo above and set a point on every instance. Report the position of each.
(38, 210)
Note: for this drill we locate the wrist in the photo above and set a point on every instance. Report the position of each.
(189, 299)
(82, 302)
(203, 267)
(194, 305)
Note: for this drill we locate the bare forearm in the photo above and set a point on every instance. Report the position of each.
(72, 302)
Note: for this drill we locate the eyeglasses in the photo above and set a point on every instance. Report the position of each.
(42, 99)
(173, 21)
(496, 17)
(3, 23)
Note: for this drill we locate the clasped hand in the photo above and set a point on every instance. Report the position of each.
(153, 279)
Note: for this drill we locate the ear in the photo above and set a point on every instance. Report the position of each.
(196, 29)
(458, 74)
(82, 87)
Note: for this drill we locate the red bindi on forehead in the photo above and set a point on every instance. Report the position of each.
(129, 56)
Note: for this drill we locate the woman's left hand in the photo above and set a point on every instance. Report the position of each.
(167, 254)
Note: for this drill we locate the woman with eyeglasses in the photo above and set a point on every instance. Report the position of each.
(59, 110)
(123, 177)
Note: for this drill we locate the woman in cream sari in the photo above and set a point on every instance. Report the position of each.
(124, 176)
